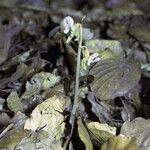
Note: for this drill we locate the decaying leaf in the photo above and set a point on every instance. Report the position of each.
(1, 103)
(40, 81)
(4, 46)
(6, 36)
(140, 28)
(145, 67)
(120, 142)
(40, 140)
(114, 77)
(125, 10)
(138, 128)
(96, 46)
(118, 30)
(101, 110)
(13, 102)
(32, 45)
(87, 34)
(20, 71)
(18, 119)
(12, 138)
(134, 98)
(100, 132)
(84, 136)
(128, 111)
(47, 116)
(4, 119)
(9, 3)
(44, 80)
(20, 58)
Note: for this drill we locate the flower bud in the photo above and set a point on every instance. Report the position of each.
(66, 24)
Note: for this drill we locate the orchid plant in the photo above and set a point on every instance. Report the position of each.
(75, 32)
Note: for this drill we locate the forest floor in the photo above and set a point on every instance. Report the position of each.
(74, 74)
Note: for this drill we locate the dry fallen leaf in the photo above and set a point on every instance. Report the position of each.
(12, 138)
(100, 132)
(84, 136)
(114, 77)
(41, 140)
(47, 116)
(120, 142)
(96, 46)
(40, 81)
(13, 102)
(139, 129)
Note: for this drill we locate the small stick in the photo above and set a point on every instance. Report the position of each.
(6, 130)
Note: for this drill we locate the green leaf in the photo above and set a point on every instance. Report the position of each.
(84, 136)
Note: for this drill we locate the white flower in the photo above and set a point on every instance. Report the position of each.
(93, 58)
(66, 24)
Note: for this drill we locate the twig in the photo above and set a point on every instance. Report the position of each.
(6, 130)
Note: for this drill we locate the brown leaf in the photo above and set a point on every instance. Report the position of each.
(114, 77)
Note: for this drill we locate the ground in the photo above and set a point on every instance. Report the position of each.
(51, 98)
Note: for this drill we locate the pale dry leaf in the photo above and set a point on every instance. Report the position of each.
(100, 132)
(48, 117)
(120, 142)
(13, 102)
(84, 136)
(139, 129)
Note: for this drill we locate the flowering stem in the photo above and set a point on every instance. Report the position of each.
(76, 96)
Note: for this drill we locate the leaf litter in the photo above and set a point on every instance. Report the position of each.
(46, 103)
